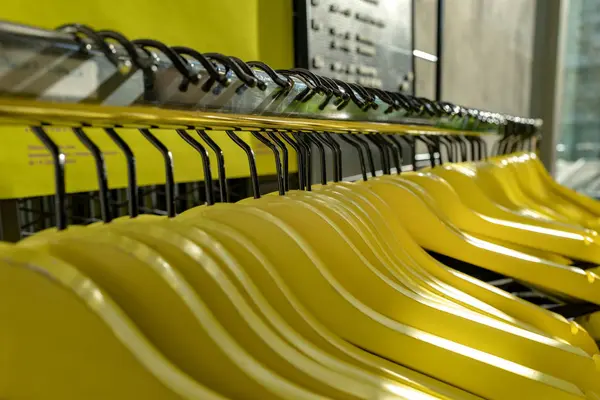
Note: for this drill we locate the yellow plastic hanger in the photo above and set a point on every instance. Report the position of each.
(521, 182)
(527, 312)
(432, 231)
(63, 337)
(351, 360)
(532, 187)
(306, 216)
(124, 225)
(498, 182)
(404, 238)
(586, 339)
(164, 305)
(461, 179)
(144, 229)
(592, 348)
(377, 257)
(329, 202)
(542, 319)
(477, 222)
(588, 204)
(414, 253)
(549, 187)
(344, 307)
(578, 244)
(173, 241)
(544, 255)
(556, 325)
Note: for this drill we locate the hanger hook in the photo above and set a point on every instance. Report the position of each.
(251, 162)
(484, 148)
(59, 160)
(382, 153)
(463, 147)
(441, 142)
(132, 188)
(469, 146)
(430, 148)
(169, 170)
(412, 151)
(361, 157)
(285, 158)
(330, 137)
(392, 156)
(307, 159)
(223, 186)
(322, 156)
(179, 63)
(79, 30)
(334, 155)
(273, 148)
(299, 157)
(368, 151)
(208, 182)
(209, 67)
(103, 192)
(395, 150)
(237, 67)
(451, 140)
(475, 148)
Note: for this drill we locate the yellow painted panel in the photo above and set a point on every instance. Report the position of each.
(225, 26)
(275, 33)
(31, 168)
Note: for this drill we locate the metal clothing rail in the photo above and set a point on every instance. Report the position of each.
(20, 112)
(77, 103)
(77, 64)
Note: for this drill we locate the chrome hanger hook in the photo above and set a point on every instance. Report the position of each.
(59, 161)
(132, 187)
(251, 162)
(103, 191)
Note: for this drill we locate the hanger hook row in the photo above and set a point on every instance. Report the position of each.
(365, 98)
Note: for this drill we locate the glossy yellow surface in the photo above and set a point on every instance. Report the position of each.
(321, 343)
(141, 229)
(67, 339)
(520, 183)
(570, 241)
(510, 202)
(448, 329)
(532, 187)
(321, 294)
(581, 201)
(432, 230)
(245, 286)
(516, 191)
(356, 310)
(379, 219)
(164, 304)
(265, 337)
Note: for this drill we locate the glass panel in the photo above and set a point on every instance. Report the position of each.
(578, 149)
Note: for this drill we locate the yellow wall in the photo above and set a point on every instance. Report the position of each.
(249, 29)
(275, 33)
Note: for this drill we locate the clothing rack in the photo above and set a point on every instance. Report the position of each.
(94, 126)
(76, 77)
